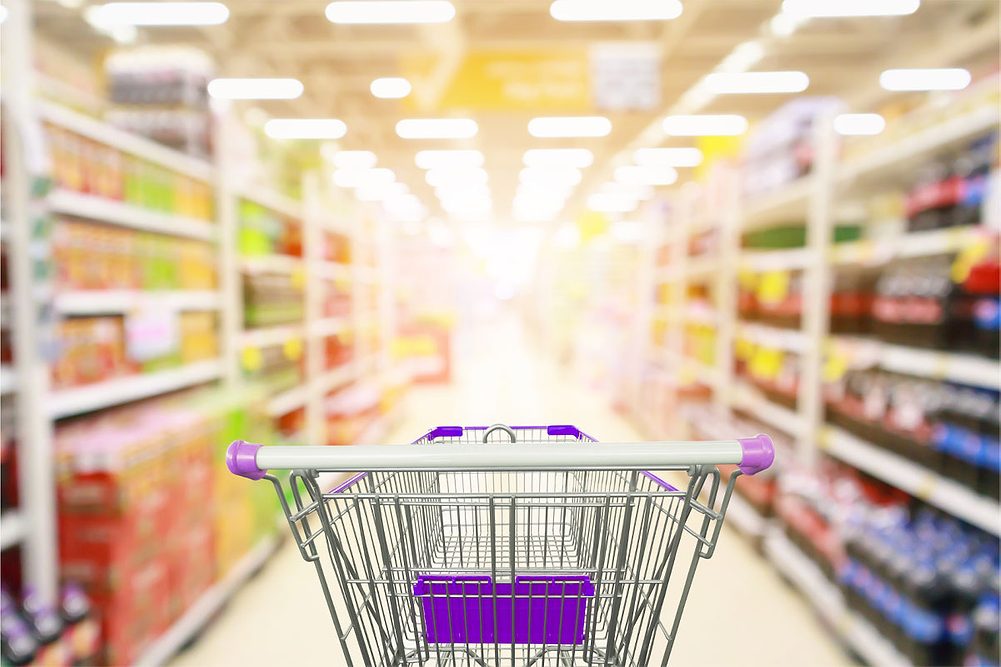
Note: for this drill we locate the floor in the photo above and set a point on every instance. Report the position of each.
(740, 612)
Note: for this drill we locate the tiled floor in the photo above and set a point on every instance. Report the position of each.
(739, 612)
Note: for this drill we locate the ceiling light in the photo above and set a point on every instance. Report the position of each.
(453, 177)
(628, 231)
(945, 78)
(151, 14)
(706, 125)
(380, 192)
(617, 10)
(390, 87)
(305, 128)
(569, 126)
(543, 176)
(859, 124)
(433, 159)
(255, 89)
(668, 157)
(756, 82)
(362, 178)
(437, 128)
(605, 202)
(848, 8)
(626, 190)
(390, 11)
(349, 159)
(638, 175)
(743, 57)
(563, 157)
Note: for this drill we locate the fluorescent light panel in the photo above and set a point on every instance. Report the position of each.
(350, 159)
(558, 157)
(552, 176)
(859, 124)
(754, 83)
(437, 128)
(638, 175)
(390, 11)
(615, 10)
(604, 202)
(459, 158)
(569, 126)
(390, 87)
(255, 89)
(437, 178)
(668, 157)
(363, 178)
(927, 79)
(849, 8)
(705, 125)
(153, 14)
(305, 128)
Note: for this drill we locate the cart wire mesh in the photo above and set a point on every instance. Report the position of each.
(570, 567)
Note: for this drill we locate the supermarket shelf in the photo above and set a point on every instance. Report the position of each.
(125, 141)
(12, 528)
(915, 479)
(74, 401)
(271, 264)
(701, 313)
(206, 607)
(274, 201)
(127, 215)
(829, 603)
(332, 270)
(788, 201)
(790, 259)
(961, 368)
(87, 302)
(329, 326)
(335, 378)
(790, 340)
(752, 401)
(916, 244)
(267, 336)
(921, 146)
(667, 274)
(702, 267)
(287, 401)
(8, 379)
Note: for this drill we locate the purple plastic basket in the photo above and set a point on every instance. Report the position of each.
(548, 609)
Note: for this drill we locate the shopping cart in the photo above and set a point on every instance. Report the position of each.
(524, 545)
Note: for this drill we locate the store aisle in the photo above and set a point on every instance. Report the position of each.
(739, 612)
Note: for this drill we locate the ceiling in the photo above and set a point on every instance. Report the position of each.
(337, 63)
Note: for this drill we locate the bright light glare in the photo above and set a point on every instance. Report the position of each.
(624, 190)
(437, 128)
(784, 25)
(3, 13)
(847, 8)
(752, 83)
(859, 124)
(434, 159)
(569, 126)
(371, 193)
(564, 157)
(668, 157)
(255, 89)
(390, 88)
(628, 231)
(634, 175)
(152, 14)
(543, 176)
(615, 10)
(363, 178)
(305, 128)
(390, 11)
(743, 57)
(606, 202)
(349, 159)
(444, 177)
(911, 80)
(707, 125)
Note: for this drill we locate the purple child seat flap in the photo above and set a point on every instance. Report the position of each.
(548, 609)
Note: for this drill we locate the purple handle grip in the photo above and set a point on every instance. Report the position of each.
(759, 454)
(241, 459)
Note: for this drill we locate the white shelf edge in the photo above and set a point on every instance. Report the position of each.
(89, 302)
(329, 326)
(774, 260)
(271, 264)
(790, 340)
(873, 252)
(827, 600)
(915, 479)
(960, 368)
(779, 416)
(792, 195)
(128, 215)
(287, 401)
(126, 142)
(332, 270)
(12, 528)
(272, 200)
(701, 267)
(8, 378)
(68, 402)
(206, 606)
(335, 378)
(267, 336)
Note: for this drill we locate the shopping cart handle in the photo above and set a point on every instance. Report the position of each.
(750, 455)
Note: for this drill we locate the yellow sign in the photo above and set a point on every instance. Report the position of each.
(502, 80)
